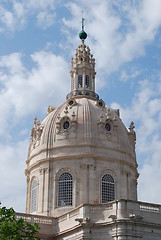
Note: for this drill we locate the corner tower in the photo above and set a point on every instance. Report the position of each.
(81, 152)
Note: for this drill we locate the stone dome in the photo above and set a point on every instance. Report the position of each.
(81, 152)
(80, 126)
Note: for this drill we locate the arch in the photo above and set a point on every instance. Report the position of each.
(65, 189)
(108, 188)
(34, 194)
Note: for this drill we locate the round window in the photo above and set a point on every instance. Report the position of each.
(66, 125)
(71, 102)
(100, 104)
(107, 127)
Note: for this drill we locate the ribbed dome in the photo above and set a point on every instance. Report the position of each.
(83, 126)
(84, 139)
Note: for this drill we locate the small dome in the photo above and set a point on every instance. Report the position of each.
(82, 35)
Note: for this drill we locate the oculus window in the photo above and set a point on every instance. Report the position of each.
(107, 127)
(65, 190)
(108, 188)
(66, 125)
(34, 188)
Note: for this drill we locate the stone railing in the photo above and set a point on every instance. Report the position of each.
(97, 213)
(36, 218)
(147, 207)
(100, 208)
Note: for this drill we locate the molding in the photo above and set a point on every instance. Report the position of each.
(80, 157)
(46, 149)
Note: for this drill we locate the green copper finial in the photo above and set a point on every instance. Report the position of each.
(82, 34)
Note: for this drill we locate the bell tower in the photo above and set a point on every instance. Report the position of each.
(83, 70)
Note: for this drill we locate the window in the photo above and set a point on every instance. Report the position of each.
(65, 190)
(34, 187)
(79, 81)
(107, 127)
(66, 125)
(87, 81)
(108, 188)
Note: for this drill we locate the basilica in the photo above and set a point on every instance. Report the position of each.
(82, 170)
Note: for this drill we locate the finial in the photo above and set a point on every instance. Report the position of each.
(83, 34)
(82, 22)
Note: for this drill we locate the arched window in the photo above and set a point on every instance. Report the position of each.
(87, 81)
(108, 188)
(65, 190)
(34, 188)
(79, 81)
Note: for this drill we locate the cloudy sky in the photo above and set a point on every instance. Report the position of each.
(37, 40)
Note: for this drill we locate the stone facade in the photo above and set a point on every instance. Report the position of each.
(82, 170)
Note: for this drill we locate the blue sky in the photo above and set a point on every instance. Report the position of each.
(37, 41)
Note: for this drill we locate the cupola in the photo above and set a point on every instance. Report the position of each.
(83, 70)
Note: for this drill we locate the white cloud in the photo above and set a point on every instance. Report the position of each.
(26, 91)
(127, 75)
(145, 110)
(15, 15)
(12, 177)
(42, 4)
(45, 19)
(7, 19)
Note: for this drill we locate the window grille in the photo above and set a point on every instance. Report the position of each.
(87, 81)
(65, 190)
(34, 188)
(79, 81)
(108, 188)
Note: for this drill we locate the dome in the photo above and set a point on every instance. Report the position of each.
(83, 126)
(81, 152)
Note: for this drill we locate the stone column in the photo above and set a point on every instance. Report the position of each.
(43, 196)
(40, 197)
(46, 189)
(28, 195)
(84, 183)
(92, 184)
(83, 79)
(54, 193)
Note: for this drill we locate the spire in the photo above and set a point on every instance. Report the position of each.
(83, 34)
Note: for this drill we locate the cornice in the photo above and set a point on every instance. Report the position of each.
(80, 157)
(95, 146)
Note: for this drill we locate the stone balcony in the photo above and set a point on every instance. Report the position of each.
(96, 215)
